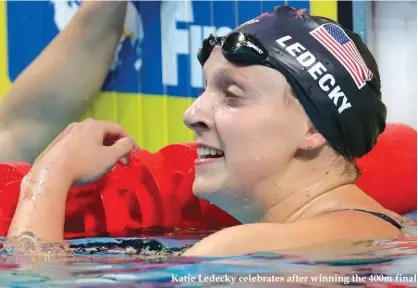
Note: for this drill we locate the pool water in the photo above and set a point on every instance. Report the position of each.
(156, 262)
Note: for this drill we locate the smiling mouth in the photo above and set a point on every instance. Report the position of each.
(209, 152)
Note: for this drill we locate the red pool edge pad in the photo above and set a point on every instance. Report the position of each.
(155, 190)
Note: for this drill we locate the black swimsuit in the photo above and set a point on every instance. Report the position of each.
(380, 215)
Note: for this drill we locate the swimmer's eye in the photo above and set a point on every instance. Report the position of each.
(232, 99)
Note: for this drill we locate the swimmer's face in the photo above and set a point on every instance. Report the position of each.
(243, 113)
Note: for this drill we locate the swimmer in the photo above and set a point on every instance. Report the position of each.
(56, 88)
(284, 113)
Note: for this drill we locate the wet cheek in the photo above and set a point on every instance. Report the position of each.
(256, 155)
(252, 156)
(247, 154)
(234, 136)
(254, 146)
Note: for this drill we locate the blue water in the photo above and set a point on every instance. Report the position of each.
(157, 262)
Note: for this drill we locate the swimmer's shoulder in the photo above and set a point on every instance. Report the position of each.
(260, 237)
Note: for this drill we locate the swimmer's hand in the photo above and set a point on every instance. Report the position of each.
(86, 151)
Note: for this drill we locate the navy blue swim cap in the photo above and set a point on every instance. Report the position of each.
(333, 75)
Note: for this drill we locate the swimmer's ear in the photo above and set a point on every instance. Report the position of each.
(312, 139)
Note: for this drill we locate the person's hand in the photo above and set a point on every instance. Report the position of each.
(86, 151)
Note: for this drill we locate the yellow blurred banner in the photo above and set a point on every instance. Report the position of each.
(4, 79)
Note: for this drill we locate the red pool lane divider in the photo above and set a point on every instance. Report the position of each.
(389, 171)
(154, 190)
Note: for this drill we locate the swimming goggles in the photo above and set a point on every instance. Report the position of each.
(238, 48)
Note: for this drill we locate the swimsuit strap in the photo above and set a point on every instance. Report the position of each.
(380, 215)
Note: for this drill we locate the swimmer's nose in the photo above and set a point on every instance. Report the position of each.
(197, 117)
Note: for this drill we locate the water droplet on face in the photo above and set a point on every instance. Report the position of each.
(257, 158)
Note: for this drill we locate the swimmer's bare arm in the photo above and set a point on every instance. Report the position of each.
(58, 85)
(307, 234)
(41, 205)
(43, 193)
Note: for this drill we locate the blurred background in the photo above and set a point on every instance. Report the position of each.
(155, 74)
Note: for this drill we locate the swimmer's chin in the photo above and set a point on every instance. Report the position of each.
(205, 191)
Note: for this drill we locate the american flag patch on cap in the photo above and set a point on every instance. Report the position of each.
(336, 41)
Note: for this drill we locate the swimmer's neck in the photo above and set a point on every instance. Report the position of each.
(290, 199)
(299, 206)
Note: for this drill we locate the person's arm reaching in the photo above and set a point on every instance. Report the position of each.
(43, 192)
(56, 88)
